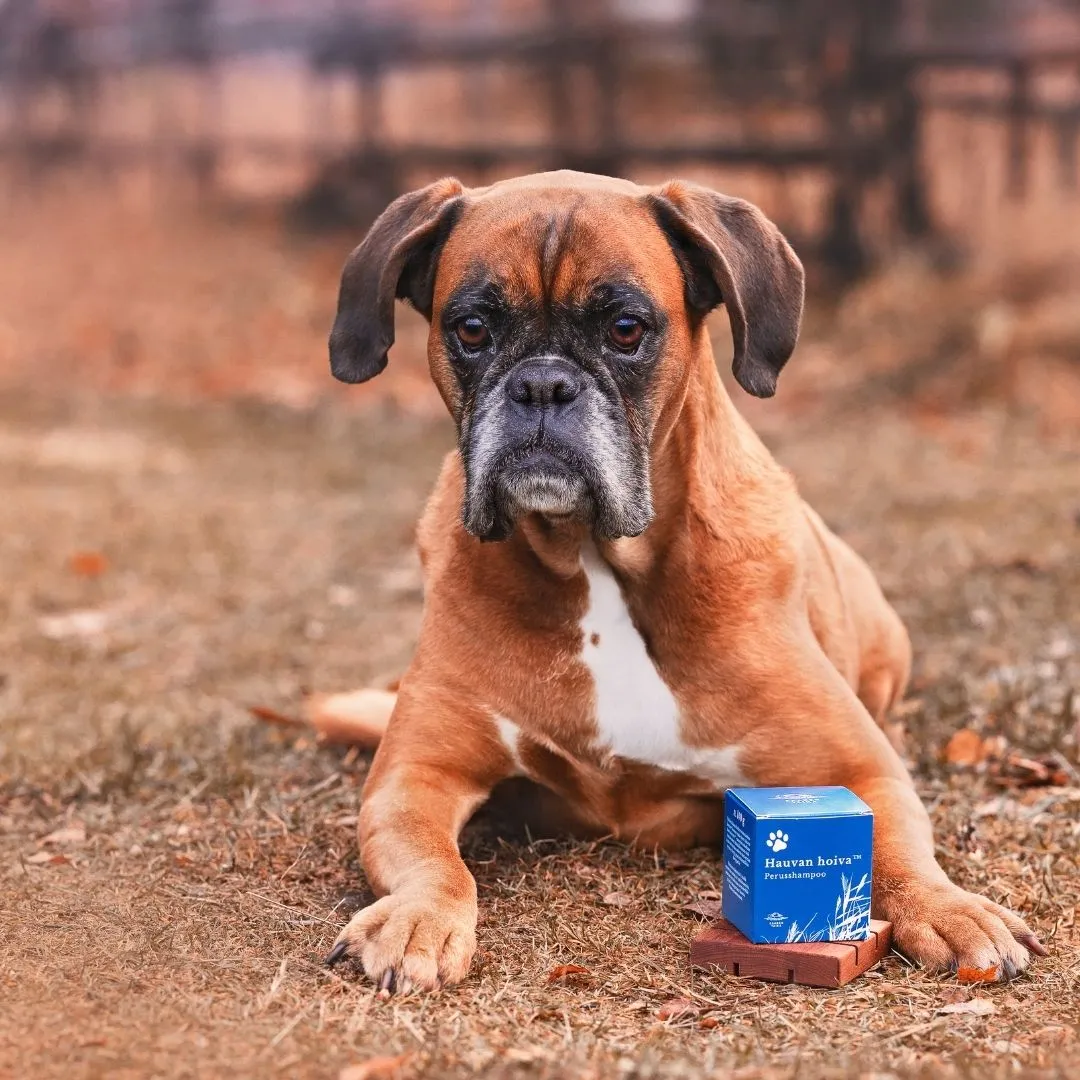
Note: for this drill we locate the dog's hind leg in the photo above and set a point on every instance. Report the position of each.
(355, 718)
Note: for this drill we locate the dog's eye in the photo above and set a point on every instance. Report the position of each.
(472, 333)
(626, 332)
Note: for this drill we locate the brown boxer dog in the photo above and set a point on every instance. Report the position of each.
(626, 601)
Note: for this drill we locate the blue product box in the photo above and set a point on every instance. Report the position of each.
(797, 864)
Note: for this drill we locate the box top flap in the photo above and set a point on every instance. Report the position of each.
(800, 802)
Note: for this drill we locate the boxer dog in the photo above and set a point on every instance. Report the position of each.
(626, 601)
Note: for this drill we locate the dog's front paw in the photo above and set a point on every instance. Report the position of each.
(944, 928)
(408, 943)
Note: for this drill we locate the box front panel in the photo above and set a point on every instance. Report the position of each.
(815, 878)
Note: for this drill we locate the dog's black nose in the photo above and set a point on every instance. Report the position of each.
(543, 382)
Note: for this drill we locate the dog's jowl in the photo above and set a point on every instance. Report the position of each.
(626, 601)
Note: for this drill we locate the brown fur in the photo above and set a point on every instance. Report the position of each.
(771, 633)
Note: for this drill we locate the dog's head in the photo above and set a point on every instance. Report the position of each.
(565, 311)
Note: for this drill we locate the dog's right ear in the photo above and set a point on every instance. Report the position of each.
(732, 254)
(396, 260)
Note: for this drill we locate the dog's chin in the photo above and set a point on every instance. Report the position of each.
(550, 487)
(556, 493)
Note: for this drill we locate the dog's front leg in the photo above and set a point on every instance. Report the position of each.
(816, 731)
(438, 762)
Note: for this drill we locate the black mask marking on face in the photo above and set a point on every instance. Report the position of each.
(554, 404)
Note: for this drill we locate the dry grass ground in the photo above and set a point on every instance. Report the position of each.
(172, 870)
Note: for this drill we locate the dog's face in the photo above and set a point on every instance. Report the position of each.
(565, 310)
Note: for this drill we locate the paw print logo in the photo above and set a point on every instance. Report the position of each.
(777, 841)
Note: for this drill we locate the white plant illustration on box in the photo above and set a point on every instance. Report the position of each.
(851, 918)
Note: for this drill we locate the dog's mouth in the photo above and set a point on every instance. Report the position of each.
(540, 475)
(546, 476)
(538, 459)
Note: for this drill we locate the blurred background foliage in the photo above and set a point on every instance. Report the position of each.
(906, 141)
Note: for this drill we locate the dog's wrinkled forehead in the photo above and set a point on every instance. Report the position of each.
(555, 245)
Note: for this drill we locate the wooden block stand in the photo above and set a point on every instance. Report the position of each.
(818, 963)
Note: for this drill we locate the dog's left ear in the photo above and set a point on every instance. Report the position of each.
(731, 253)
(396, 260)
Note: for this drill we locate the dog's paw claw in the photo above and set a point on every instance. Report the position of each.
(336, 954)
(1033, 944)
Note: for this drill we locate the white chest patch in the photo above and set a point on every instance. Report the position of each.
(636, 713)
(508, 733)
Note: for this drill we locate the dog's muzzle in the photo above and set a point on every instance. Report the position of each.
(545, 438)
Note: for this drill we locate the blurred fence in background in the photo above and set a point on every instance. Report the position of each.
(860, 126)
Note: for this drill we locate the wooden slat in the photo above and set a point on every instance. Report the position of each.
(824, 963)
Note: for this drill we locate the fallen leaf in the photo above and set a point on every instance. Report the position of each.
(709, 909)
(1023, 564)
(85, 623)
(379, 1068)
(73, 834)
(272, 716)
(88, 564)
(966, 748)
(977, 975)
(41, 858)
(1017, 771)
(520, 1055)
(1054, 1035)
(677, 1009)
(567, 971)
(1006, 1046)
(1030, 770)
(709, 1022)
(618, 899)
(973, 1007)
(1000, 806)
(708, 894)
